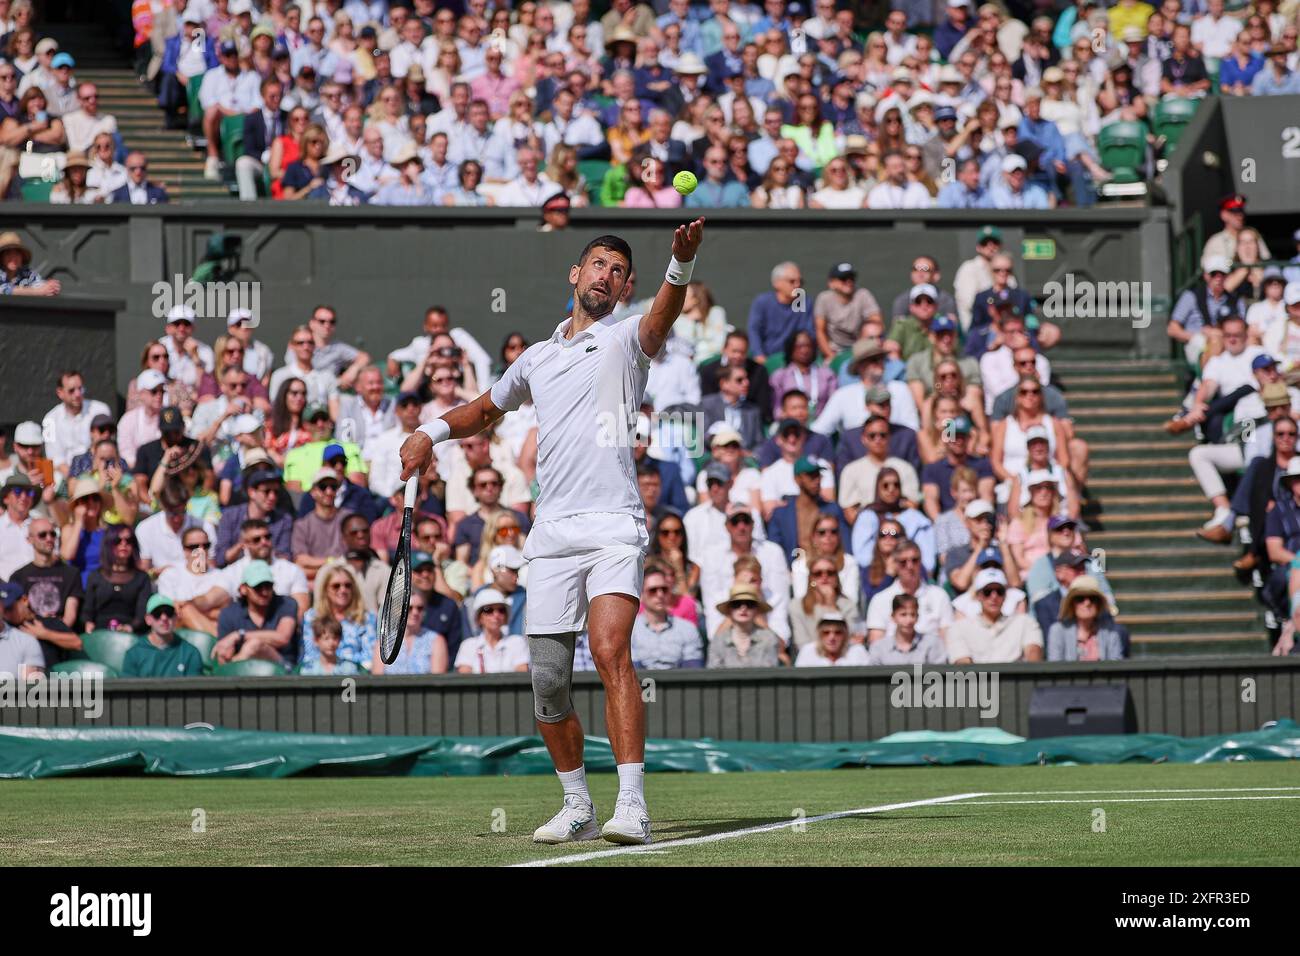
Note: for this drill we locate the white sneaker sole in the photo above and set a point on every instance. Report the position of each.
(613, 835)
(589, 832)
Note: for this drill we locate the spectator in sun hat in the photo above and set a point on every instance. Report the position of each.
(495, 650)
(847, 408)
(16, 275)
(1084, 632)
(739, 641)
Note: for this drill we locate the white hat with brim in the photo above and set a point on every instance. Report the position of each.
(488, 597)
(30, 434)
(150, 379)
(986, 577)
(690, 65)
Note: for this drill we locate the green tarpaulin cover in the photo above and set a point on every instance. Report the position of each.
(29, 752)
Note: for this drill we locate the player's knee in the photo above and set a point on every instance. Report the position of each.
(551, 668)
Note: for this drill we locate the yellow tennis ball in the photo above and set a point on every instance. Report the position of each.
(685, 182)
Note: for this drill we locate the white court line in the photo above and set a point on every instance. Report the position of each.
(748, 831)
(1276, 796)
(1066, 793)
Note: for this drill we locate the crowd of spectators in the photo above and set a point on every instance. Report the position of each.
(838, 483)
(1238, 327)
(783, 105)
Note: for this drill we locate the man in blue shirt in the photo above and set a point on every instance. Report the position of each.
(1011, 189)
(964, 192)
(776, 315)
(715, 191)
(1276, 79)
(953, 28)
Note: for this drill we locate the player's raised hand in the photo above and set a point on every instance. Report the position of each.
(416, 453)
(687, 239)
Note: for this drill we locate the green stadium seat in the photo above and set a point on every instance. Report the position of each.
(840, 360)
(85, 668)
(1171, 119)
(774, 362)
(201, 641)
(1123, 150)
(232, 139)
(593, 171)
(36, 190)
(613, 187)
(109, 647)
(192, 98)
(253, 668)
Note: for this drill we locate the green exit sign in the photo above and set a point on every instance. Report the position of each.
(1038, 249)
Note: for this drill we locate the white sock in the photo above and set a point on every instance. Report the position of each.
(631, 781)
(575, 782)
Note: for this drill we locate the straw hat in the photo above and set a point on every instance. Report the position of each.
(10, 240)
(76, 160)
(84, 488)
(1085, 585)
(743, 592)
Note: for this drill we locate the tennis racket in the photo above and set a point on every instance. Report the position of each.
(397, 599)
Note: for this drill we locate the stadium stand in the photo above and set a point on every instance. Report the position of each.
(915, 479)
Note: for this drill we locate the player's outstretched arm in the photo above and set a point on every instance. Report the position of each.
(461, 422)
(658, 322)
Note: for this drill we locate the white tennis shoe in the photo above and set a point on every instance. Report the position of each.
(630, 823)
(575, 821)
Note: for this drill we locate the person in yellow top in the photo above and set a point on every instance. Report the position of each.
(301, 464)
(1129, 13)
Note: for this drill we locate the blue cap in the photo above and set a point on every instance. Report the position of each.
(1061, 521)
(404, 397)
(944, 113)
(229, 46)
(62, 59)
(941, 323)
(334, 450)
(10, 592)
(1263, 360)
(989, 555)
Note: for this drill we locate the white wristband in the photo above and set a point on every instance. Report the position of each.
(679, 273)
(437, 429)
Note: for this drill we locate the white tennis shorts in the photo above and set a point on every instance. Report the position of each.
(574, 559)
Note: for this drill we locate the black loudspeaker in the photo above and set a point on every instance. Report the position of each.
(1066, 711)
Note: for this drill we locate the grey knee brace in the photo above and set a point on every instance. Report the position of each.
(551, 664)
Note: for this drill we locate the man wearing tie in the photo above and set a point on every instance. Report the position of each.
(261, 127)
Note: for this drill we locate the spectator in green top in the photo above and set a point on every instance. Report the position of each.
(910, 333)
(162, 654)
(301, 464)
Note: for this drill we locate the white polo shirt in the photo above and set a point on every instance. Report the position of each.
(481, 658)
(1002, 643)
(777, 479)
(161, 545)
(855, 655)
(587, 392)
(287, 579)
(68, 435)
(933, 606)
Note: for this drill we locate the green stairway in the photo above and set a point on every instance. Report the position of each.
(1177, 594)
(173, 162)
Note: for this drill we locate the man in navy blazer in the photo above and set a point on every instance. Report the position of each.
(261, 127)
(138, 190)
(731, 406)
(726, 61)
(783, 526)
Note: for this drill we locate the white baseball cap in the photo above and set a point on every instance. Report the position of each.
(29, 433)
(1040, 476)
(238, 315)
(247, 424)
(505, 556)
(1291, 294)
(1036, 433)
(923, 288)
(149, 379)
(181, 313)
(977, 508)
(1216, 264)
(488, 597)
(1013, 161)
(988, 576)
(1010, 117)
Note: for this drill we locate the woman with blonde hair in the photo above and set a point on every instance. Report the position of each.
(445, 70)
(1247, 276)
(702, 323)
(337, 594)
(942, 409)
(562, 169)
(1028, 535)
(501, 529)
(822, 597)
(630, 132)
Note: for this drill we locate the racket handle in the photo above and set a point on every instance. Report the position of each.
(412, 489)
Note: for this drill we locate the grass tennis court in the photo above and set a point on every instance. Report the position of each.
(1225, 814)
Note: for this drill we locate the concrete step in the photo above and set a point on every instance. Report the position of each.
(1242, 619)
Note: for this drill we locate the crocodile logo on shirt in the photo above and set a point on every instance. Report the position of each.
(592, 348)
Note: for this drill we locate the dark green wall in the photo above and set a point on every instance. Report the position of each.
(382, 267)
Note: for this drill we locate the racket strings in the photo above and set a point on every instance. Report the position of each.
(393, 621)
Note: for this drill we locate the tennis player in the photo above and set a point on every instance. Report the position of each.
(588, 541)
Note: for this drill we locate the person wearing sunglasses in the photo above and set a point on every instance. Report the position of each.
(1084, 633)
(661, 640)
(495, 650)
(162, 653)
(739, 641)
(936, 615)
(53, 589)
(991, 637)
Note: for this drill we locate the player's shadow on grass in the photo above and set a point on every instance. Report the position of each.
(678, 830)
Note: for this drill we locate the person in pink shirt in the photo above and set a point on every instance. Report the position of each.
(494, 87)
(647, 189)
(139, 426)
